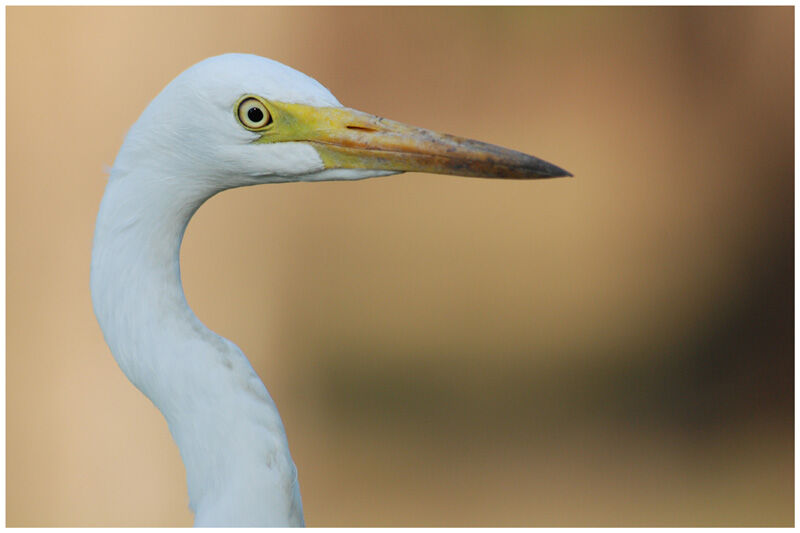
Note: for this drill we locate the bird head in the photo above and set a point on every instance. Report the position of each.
(240, 119)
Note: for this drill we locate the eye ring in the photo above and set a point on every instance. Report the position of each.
(253, 114)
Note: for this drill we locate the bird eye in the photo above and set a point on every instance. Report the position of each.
(253, 114)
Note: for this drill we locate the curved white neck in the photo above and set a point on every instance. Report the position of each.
(231, 439)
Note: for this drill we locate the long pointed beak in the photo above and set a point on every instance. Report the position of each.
(346, 138)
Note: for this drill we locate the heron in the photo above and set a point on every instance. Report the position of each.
(232, 121)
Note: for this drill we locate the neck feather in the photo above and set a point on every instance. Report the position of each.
(231, 439)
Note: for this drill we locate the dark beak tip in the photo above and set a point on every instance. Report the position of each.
(560, 173)
(550, 170)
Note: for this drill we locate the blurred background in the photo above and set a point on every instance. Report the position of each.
(615, 349)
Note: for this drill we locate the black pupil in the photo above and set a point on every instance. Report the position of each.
(255, 114)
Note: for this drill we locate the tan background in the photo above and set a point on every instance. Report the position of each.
(614, 349)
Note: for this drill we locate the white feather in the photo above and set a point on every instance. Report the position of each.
(186, 147)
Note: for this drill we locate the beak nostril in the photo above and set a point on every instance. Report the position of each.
(360, 128)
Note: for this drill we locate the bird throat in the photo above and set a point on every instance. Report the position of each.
(230, 435)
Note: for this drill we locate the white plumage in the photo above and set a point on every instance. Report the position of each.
(187, 146)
